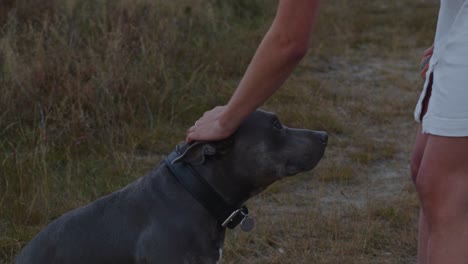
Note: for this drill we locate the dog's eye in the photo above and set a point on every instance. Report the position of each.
(277, 125)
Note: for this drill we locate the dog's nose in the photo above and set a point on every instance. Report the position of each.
(323, 136)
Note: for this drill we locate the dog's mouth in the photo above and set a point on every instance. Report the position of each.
(292, 172)
(293, 169)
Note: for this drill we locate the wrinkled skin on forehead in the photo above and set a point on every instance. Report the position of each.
(276, 150)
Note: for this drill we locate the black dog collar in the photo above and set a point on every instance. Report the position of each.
(228, 215)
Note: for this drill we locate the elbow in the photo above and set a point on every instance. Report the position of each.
(293, 48)
(294, 51)
(298, 50)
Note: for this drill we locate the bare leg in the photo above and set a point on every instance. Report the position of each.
(418, 152)
(423, 235)
(442, 185)
(423, 238)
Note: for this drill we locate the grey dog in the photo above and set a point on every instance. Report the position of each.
(179, 212)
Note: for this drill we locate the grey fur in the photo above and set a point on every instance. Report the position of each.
(155, 220)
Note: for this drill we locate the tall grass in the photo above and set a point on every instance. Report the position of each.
(94, 92)
(87, 86)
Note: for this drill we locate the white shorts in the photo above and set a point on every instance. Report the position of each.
(447, 112)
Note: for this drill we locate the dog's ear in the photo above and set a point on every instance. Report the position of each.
(195, 153)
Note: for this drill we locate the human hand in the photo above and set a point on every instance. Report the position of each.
(424, 65)
(212, 126)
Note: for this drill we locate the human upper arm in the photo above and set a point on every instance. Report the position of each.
(295, 20)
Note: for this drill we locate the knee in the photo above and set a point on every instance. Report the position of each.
(441, 206)
(439, 215)
(434, 210)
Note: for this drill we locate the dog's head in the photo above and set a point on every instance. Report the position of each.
(259, 153)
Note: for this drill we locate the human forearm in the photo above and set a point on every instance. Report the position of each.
(270, 67)
(280, 51)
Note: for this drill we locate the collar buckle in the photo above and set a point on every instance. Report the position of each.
(239, 216)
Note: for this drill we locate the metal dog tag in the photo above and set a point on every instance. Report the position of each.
(247, 224)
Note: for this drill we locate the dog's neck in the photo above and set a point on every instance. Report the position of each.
(228, 210)
(225, 182)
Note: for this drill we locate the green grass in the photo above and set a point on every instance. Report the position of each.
(94, 93)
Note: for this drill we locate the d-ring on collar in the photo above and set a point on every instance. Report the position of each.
(228, 215)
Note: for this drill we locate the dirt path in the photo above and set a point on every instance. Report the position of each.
(359, 205)
(372, 82)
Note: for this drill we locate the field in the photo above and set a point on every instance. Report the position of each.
(94, 93)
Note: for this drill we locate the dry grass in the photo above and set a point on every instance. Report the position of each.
(93, 93)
